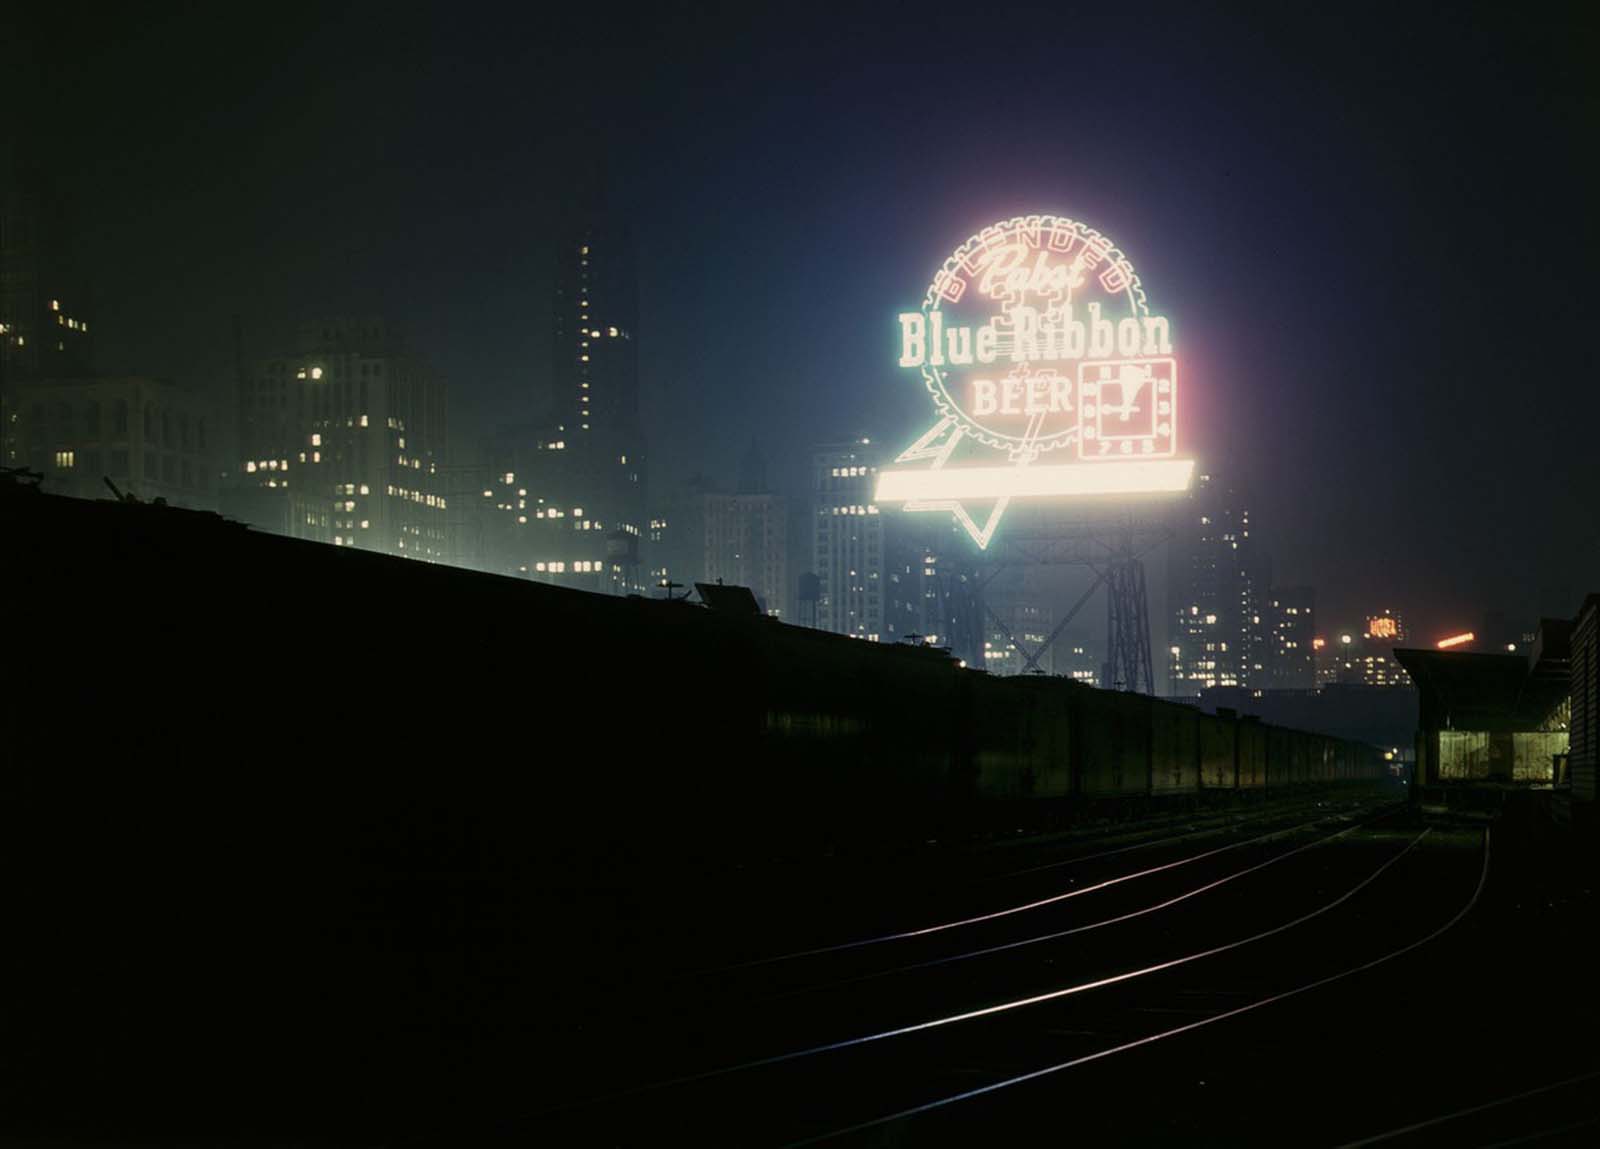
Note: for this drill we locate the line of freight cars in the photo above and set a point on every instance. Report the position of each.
(898, 726)
(297, 688)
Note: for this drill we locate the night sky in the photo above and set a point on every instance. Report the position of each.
(1373, 232)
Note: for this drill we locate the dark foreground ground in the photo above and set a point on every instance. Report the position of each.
(1324, 971)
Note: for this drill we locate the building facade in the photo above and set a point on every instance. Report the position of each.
(1289, 629)
(1017, 621)
(342, 441)
(931, 587)
(1218, 591)
(152, 438)
(847, 541)
(745, 543)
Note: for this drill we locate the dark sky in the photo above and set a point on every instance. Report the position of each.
(1373, 231)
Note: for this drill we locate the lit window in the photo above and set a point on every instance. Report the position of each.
(64, 458)
(316, 439)
(316, 373)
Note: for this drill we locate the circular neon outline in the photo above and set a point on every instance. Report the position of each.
(934, 378)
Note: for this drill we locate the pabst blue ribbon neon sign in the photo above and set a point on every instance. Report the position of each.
(1049, 372)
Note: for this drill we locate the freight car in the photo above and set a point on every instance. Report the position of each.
(285, 687)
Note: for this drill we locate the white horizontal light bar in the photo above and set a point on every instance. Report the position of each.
(1135, 477)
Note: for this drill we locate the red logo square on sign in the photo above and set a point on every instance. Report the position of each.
(1128, 409)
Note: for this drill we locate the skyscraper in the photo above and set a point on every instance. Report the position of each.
(1289, 629)
(44, 331)
(44, 327)
(589, 469)
(1217, 592)
(847, 537)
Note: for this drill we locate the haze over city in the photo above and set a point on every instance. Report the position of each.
(939, 575)
(1361, 224)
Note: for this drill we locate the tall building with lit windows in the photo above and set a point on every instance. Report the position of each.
(1289, 628)
(847, 541)
(1372, 655)
(342, 440)
(1218, 593)
(44, 327)
(588, 476)
(931, 587)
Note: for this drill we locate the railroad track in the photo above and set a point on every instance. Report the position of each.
(992, 1015)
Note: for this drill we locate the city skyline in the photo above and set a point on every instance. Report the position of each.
(1335, 416)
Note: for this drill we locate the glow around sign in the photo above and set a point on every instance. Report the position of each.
(1049, 373)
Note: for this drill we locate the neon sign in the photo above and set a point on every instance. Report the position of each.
(1382, 626)
(1040, 352)
(1456, 640)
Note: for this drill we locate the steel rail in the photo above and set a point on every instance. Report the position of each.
(999, 1008)
(1057, 934)
(1150, 1039)
(1054, 899)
